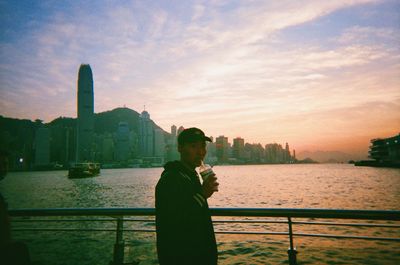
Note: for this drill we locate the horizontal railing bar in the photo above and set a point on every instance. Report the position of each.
(348, 237)
(346, 224)
(258, 212)
(218, 232)
(114, 212)
(63, 229)
(250, 221)
(138, 230)
(309, 213)
(308, 223)
(251, 233)
(63, 220)
(81, 220)
(214, 221)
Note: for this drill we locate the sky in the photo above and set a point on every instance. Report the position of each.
(320, 75)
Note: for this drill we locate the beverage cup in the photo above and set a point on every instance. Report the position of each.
(205, 172)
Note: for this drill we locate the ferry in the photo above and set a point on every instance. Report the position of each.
(84, 170)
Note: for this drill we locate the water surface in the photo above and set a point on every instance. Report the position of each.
(333, 186)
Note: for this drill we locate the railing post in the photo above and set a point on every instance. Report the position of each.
(292, 252)
(119, 243)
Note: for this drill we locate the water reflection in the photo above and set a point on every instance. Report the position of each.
(282, 186)
(275, 186)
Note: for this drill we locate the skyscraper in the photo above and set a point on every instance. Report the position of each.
(146, 135)
(238, 148)
(122, 143)
(159, 143)
(173, 134)
(85, 124)
(287, 157)
(221, 143)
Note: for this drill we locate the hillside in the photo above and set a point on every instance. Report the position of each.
(326, 156)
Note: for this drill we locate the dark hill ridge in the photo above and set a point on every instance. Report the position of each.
(108, 121)
(17, 136)
(104, 122)
(326, 156)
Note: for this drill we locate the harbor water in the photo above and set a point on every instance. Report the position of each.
(329, 186)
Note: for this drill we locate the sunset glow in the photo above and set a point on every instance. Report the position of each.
(321, 75)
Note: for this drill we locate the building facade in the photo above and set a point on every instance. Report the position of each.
(42, 147)
(386, 149)
(221, 146)
(122, 142)
(238, 148)
(85, 123)
(146, 135)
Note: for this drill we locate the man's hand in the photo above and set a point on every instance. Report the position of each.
(210, 185)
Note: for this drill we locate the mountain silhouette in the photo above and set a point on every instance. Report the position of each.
(326, 156)
(17, 136)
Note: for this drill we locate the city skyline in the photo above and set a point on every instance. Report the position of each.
(321, 76)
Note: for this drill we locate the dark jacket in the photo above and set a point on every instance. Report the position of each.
(185, 234)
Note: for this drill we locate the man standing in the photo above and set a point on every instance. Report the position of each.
(11, 252)
(185, 234)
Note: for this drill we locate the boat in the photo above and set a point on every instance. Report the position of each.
(84, 170)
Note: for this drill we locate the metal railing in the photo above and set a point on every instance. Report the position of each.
(119, 215)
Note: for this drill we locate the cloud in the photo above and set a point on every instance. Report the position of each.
(218, 65)
(359, 35)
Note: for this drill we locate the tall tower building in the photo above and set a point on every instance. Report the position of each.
(85, 124)
(238, 148)
(221, 143)
(287, 153)
(173, 134)
(159, 143)
(146, 135)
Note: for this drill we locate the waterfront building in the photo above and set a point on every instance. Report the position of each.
(238, 148)
(107, 148)
(159, 143)
(287, 157)
(122, 143)
(70, 145)
(386, 150)
(221, 145)
(62, 141)
(181, 128)
(85, 122)
(254, 153)
(134, 144)
(146, 135)
(211, 156)
(173, 148)
(173, 134)
(274, 153)
(258, 154)
(42, 147)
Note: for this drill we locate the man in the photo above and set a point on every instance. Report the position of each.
(185, 234)
(11, 252)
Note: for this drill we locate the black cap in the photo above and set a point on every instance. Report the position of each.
(192, 135)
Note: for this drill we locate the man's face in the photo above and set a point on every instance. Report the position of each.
(193, 153)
